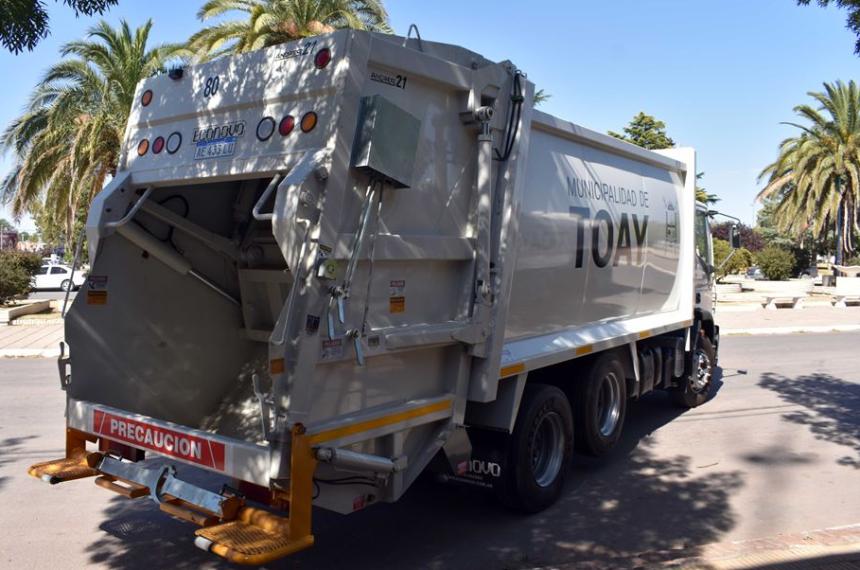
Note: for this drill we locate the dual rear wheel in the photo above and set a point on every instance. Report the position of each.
(538, 451)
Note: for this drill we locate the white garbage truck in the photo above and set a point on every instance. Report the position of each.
(325, 267)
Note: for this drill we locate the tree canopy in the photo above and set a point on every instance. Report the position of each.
(262, 23)
(816, 176)
(23, 23)
(647, 132)
(69, 137)
(853, 7)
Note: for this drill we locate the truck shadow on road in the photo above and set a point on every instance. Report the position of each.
(635, 503)
(831, 408)
(10, 450)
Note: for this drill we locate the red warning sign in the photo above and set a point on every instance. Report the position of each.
(161, 440)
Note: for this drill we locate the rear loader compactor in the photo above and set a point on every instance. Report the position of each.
(326, 266)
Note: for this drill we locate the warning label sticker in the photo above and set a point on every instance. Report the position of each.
(397, 305)
(332, 348)
(397, 288)
(161, 440)
(96, 297)
(97, 282)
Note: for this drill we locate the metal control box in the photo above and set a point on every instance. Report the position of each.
(386, 141)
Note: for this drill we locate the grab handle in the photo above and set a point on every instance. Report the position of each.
(269, 189)
(127, 218)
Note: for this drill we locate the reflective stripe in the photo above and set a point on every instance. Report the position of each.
(512, 369)
(367, 425)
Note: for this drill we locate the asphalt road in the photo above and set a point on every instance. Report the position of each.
(776, 451)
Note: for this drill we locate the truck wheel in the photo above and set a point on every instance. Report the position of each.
(601, 405)
(538, 451)
(695, 391)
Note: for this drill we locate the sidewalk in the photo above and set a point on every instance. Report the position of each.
(44, 340)
(34, 340)
(735, 320)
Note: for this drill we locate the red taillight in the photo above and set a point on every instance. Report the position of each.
(286, 125)
(146, 98)
(322, 58)
(309, 121)
(142, 147)
(157, 145)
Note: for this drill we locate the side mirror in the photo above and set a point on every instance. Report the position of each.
(735, 238)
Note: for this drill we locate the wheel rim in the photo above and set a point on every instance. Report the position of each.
(547, 447)
(66, 285)
(702, 378)
(608, 404)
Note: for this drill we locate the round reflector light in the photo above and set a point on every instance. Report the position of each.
(174, 141)
(265, 128)
(322, 58)
(157, 145)
(309, 121)
(142, 147)
(286, 125)
(146, 98)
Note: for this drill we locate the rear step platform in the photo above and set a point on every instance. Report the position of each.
(255, 537)
(230, 528)
(78, 465)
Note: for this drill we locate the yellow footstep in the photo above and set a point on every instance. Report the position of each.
(78, 465)
(255, 537)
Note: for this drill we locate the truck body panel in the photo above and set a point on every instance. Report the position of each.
(278, 295)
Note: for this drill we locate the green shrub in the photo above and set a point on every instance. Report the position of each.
(16, 272)
(739, 262)
(852, 261)
(776, 263)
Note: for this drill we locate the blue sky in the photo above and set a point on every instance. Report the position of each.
(721, 74)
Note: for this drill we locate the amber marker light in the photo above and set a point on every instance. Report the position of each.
(142, 147)
(309, 121)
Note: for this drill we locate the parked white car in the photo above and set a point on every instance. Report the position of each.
(56, 276)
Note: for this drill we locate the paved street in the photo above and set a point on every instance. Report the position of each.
(777, 451)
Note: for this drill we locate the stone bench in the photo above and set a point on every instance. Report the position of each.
(773, 301)
(847, 291)
(845, 300)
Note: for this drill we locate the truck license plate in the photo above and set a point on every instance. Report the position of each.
(216, 148)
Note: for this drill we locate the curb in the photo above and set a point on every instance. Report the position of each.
(835, 547)
(790, 330)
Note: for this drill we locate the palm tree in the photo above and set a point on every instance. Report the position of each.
(816, 176)
(269, 22)
(67, 141)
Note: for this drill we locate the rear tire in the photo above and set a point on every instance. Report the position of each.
(66, 285)
(697, 387)
(601, 405)
(538, 451)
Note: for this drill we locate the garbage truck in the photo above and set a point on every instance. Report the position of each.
(326, 267)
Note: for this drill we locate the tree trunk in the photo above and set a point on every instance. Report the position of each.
(839, 224)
